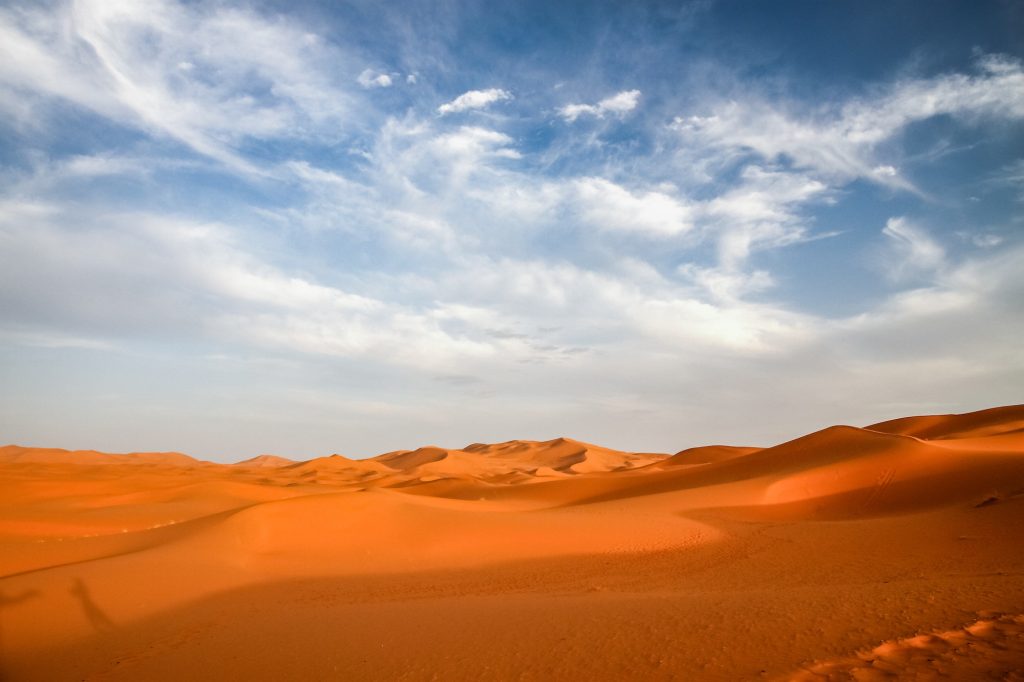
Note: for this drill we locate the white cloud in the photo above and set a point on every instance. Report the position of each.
(522, 325)
(590, 287)
(761, 211)
(914, 251)
(1011, 176)
(374, 79)
(620, 103)
(843, 142)
(474, 99)
(611, 207)
(724, 284)
(939, 322)
(631, 310)
(986, 241)
(470, 141)
(143, 273)
(174, 70)
(981, 240)
(420, 189)
(433, 169)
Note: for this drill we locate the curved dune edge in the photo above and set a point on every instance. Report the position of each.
(990, 648)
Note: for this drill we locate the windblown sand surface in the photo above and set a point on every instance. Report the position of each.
(850, 553)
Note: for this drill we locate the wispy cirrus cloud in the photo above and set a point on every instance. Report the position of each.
(761, 211)
(914, 254)
(176, 70)
(843, 140)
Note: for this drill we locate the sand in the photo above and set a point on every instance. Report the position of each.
(890, 551)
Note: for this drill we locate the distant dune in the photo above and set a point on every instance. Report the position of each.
(893, 550)
(14, 453)
(266, 461)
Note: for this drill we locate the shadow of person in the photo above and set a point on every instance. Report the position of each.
(99, 620)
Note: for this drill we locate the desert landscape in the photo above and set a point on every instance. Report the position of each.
(889, 551)
(760, 264)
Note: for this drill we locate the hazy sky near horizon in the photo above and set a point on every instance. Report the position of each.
(231, 228)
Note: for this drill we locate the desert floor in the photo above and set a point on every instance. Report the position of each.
(895, 550)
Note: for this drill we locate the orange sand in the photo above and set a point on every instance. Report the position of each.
(850, 553)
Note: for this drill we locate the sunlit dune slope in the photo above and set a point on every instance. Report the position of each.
(157, 565)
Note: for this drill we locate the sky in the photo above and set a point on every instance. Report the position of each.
(307, 228)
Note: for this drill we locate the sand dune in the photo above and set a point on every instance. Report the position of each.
(16, 454)
(503, 460)
(706, 455)
(991, 422)
(849, 553)
(265, 462)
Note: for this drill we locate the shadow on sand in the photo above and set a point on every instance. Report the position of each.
(99, 620)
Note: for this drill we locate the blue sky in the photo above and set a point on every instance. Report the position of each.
(305, 228)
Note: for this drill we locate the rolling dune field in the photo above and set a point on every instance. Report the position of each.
(893, 551)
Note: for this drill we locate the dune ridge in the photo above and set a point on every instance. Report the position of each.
(872, 535)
